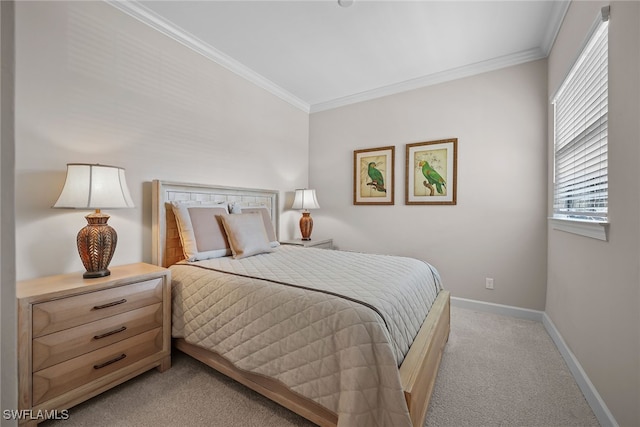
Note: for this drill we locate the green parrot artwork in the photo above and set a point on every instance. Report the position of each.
(433, 177)
(377, 180)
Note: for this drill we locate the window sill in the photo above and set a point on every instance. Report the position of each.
(593, 229)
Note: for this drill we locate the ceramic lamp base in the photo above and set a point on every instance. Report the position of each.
(306, 226)
(96, 274)
(96, 245)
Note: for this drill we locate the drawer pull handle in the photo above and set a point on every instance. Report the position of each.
(106, 334)
(109, 362)
(111, 304)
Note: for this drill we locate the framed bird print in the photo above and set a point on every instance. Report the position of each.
(431, 172)
(373, 176)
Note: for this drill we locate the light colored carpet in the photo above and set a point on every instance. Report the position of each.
(501, 371)
(496, 371)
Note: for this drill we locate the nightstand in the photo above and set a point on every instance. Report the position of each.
(79, 337)
(320, 244)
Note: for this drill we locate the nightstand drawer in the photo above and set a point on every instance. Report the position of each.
(69, 312)
(58, 379)
(55, 348)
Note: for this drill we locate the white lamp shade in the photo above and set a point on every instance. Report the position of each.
(305, 199)
(90, 186)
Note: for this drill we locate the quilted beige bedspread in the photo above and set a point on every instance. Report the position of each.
(333, 326)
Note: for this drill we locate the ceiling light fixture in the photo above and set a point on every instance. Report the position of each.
(345, 3)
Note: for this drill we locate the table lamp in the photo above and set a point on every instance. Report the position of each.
(305, 199)
(95, 186)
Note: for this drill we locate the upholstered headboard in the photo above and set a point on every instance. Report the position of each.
(166, 246)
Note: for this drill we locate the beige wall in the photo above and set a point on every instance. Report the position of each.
(95, 85)
(593, 294)
(498, 227)
(8, 332)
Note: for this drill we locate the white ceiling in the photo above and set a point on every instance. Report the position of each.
(319, 55)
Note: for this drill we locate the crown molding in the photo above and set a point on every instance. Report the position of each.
(553, 27)
(136, 10)
(433, 79)
(169, 29)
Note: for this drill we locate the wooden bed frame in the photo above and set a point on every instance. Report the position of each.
(417, 373)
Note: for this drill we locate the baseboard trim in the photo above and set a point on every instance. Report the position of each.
(505, 310)
(599, 408)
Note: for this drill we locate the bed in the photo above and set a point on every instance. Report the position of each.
(380, 365)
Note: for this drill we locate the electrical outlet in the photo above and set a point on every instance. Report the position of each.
(489, 283)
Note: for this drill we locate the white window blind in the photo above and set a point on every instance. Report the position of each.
(580, 130)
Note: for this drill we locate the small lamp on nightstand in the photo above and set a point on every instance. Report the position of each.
(305, 200)
(93, 186)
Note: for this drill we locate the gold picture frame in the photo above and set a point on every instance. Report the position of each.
(431, 172)
(373, 176)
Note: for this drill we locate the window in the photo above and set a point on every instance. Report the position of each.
(580, 134)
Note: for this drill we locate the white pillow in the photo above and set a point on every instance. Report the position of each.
(200, 229)
(246, 234)
(266, 218)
